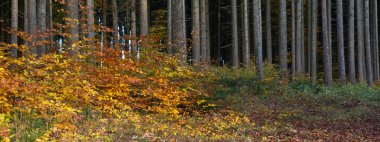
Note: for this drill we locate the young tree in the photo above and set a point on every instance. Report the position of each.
(258, 38)
(14, 26)
(283, 38)
(144, 18)
(326, 48)
(351, 41)
(269, 29)
(367, 34)
(235, 38)
(340, 37)
(179, 36)
(246, 46)
(313, 42)
(90, 21)
(195, 31)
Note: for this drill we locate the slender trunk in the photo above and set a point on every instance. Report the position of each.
(51, 36)
(367, 38)
(14, 26)
(219, 32)
(269, 30)
(208, 58)
(329, 30)
(313, 46)
(73, 15)
(41, 12)
(351, 41)
(203, 31)
(258, 38)
(340, 32)
(104, 21)
(376, 41)
(169, 28)
(32, 25)
(115, 24)
(360, 54)
(195, 31)
(235, 39)
(179, 24)
(309, 34)
(144, 18)
(293, 35)
(326, 48)
(246, 42)
(283, 38)
(133, 27)
(90, 21)
(299, 35)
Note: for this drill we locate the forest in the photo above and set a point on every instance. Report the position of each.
(189, 70)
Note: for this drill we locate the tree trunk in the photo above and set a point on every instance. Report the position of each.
(104, 21)
(208, 58)
(41, 12)
(51, 36)
(299, 35)
(203, 32)
(115, 24)
(367, 34)
(133, 27)
(90, 21)
(326, 48)
(195, 32)
(313, 46)
(269, 30)
(32, 25)
(360, 54)
(376, 41)
(73, 15)
(144, 18)
(235, 38)
(179, 36)
(14, 26)
(246, 46)
(340, 32)
(283, 39)
(258, 38)
(169, 28)
(293, 23)
(351, 41)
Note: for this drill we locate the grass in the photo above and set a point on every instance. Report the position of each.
(246, 109)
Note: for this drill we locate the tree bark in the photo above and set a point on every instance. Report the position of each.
(90, 21)
(313, 46)
(41, 12)
(283, 39)
(367, 34)
(73, 15)
(326, 48)
(115, 25)
(269, 30)
(246, 46)
(133, 27)
(203, 32)
(258, 38)
(32, 25)
(169, 28)
(360, 53)
(293, 35)
(340, 36)
(299, 35)
(376, 41)
(179, 36)
(235, 38)
(351, 41)
(14, 27)
(195, 31)
(144, 18)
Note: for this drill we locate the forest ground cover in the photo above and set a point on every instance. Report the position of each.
(165, 104)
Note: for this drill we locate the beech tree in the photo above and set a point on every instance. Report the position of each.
(258, 38)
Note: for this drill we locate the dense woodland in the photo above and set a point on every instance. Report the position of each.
(69, 66)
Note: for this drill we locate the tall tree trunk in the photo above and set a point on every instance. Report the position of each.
(26, 21)
(340, 32)
(313, 46)
(133, 27)
(41, 12)
(283, 39)
(351, 41)
(367, 34)
(219, 33)
(203, 31)
(293, 34)
(32, 25)
(115, 25)
(144, 18)
(246, 46)
(179, 36)
(195, 31)
(208, 58)
(376, 41)
(169, 28)
(360, 54)
(258, 38)
(269, 30)
(51, 36)
(235, 39)
(329, 28)
(326, 48)
(299, 35)
(14, 26)
(73, 15)
(90, 21)
(309, 32)
(104, 21)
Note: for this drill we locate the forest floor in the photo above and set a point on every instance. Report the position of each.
(242, 109)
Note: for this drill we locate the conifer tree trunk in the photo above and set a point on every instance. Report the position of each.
(258, 38)
(14, 26)
(326, 48)
(235, 39)
(351, 41)
(283, 38)
(367, 34)
(195, 31)
(340, 39)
